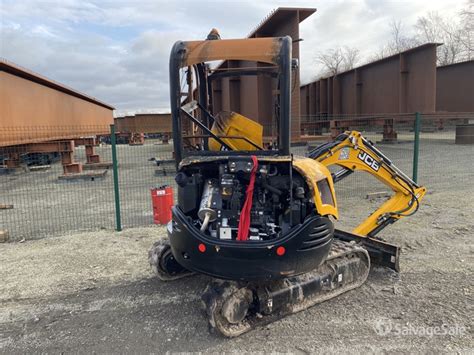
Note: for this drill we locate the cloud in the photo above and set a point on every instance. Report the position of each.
(44, 31)
(76, 43)
(361, 24)
(118, 51)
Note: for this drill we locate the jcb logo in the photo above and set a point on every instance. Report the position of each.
(366, 158)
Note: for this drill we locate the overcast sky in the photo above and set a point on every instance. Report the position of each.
(117, 51)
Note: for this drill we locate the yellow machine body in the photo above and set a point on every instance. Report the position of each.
(237, 131)
(319, 180)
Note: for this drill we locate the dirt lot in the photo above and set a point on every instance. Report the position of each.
(94, 292)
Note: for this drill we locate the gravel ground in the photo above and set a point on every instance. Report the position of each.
(94, 293)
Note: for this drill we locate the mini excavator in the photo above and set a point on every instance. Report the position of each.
(256, 219)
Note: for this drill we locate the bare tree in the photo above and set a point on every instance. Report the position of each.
(351, 57)
(337, 60)
(382, 52)
(429, 28)
(434, 28)
(398, 41)
(467, 30)
(455, 34)
(452, 49)
(331, 61)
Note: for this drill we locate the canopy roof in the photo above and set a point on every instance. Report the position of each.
(264, 50)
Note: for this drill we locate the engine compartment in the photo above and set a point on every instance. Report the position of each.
(212, 195)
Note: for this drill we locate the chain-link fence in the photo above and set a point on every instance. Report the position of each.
(393, 134)
(67, 185)
(142, 167)
(446, 156)
(38, 195)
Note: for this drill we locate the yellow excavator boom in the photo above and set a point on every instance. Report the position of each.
(352, 152)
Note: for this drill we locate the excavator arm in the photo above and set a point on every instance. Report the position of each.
(352, 152)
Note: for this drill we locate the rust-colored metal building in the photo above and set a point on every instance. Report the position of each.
(39, 115)
(400, 83)
(455, 87)
(134, 127)
(35, 109)
(144, 123)
(252, 96)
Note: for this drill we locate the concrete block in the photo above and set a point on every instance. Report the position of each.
(4, 236)
(465, 134)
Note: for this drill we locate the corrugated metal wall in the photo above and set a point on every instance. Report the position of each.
(29, 105)
(398, 84)
(455, 87)
(144, 123)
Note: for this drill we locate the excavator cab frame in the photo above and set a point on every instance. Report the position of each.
(194, 55)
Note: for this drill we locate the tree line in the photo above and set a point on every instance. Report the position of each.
(456, 35)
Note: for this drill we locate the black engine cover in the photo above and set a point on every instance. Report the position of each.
(306, 246)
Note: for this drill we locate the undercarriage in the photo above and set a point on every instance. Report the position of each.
(235, 307)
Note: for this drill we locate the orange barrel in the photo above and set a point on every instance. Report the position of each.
(162, 200)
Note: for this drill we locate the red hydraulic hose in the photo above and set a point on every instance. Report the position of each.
(244, 222)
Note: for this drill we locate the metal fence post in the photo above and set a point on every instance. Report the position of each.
(118, 220)
(416, 147)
